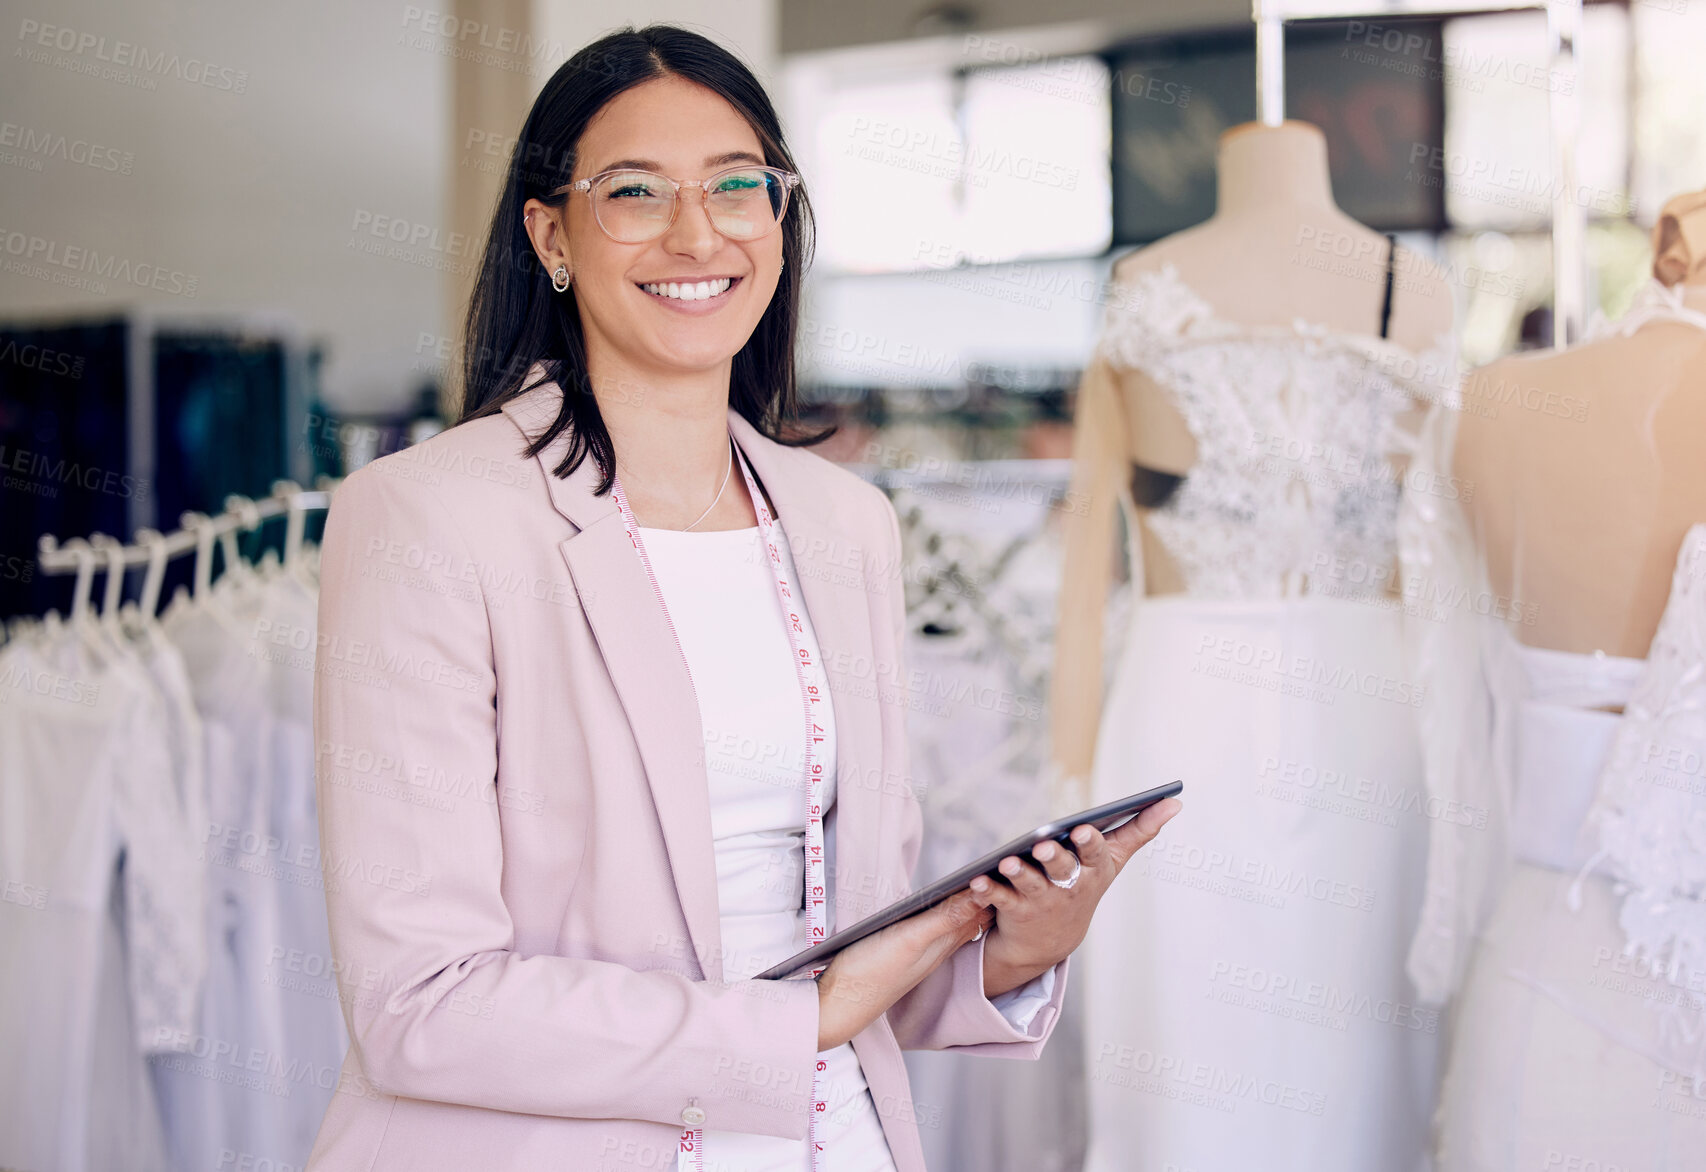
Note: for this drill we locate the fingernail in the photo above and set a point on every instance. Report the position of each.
(1045, 852)
(1081, 835)
(1010, 867)
(980, 884)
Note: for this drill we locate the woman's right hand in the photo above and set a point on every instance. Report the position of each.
(865, 978)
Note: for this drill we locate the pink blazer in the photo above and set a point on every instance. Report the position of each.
(516, 828)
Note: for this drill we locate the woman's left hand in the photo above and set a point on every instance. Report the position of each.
(1038, 924)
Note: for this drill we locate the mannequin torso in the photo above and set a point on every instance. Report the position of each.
(1260, 333)
(1582, 498)
(1277, 249)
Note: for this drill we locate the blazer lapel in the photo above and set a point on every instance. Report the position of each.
(647, 668)
(652, 680)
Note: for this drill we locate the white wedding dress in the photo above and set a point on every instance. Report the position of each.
(1245, 997)
(1573, 928)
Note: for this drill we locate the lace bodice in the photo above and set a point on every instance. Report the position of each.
(1649, 817)
(1300, 442)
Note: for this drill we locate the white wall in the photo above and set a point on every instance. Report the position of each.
(322, 118)
(749, 27)
(328, 129)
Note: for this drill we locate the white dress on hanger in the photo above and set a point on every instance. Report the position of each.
(721, 599)
(259, 1068)
(98, 959)
(298, 973)
(1246, 1004)
(224, 1089)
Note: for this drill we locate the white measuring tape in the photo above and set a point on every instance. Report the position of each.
(814, 696)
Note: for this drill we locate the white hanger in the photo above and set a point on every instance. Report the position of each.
(149, 603)
(79, 549)
(82, 624)
(114, 593)
(295, 521)
(202, 526)
(106, 628)
(241, 576)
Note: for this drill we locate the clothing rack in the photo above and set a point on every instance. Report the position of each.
(968, 591)
(199, 532)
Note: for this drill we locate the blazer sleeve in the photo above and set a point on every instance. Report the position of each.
(439, 1004)
(948, 1010)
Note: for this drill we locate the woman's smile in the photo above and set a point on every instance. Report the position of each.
(696, 295)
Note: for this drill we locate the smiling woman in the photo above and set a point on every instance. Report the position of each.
(668, 792)
(591, 258)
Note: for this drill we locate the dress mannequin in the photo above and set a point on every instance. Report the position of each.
(1571, 1027)
(1583, 497)
(1277, 248)
(1249, 411)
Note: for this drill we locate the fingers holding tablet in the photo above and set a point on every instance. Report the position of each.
(1110, 852)
(1062, 866)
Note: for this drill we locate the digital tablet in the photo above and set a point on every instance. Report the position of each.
(1108, 817)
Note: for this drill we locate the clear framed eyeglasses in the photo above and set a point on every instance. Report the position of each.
(632, 207)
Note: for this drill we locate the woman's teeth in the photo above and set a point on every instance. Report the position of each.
(693, 291)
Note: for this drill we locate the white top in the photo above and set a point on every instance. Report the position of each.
(721, 597)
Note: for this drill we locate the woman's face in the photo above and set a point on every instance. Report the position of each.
(685, 131)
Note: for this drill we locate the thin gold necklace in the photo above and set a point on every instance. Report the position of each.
(728, 469)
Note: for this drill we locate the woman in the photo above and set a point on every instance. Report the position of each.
(565, 687)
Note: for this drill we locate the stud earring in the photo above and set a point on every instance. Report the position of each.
(560, 279)
(784, 264)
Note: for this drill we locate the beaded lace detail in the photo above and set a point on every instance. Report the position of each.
(1301, 441)
(1650, 813)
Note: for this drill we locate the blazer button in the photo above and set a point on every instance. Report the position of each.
(693, 1116)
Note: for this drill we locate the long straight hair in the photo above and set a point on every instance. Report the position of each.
(515, 317)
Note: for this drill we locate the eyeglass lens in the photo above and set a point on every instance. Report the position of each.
(743, 204)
